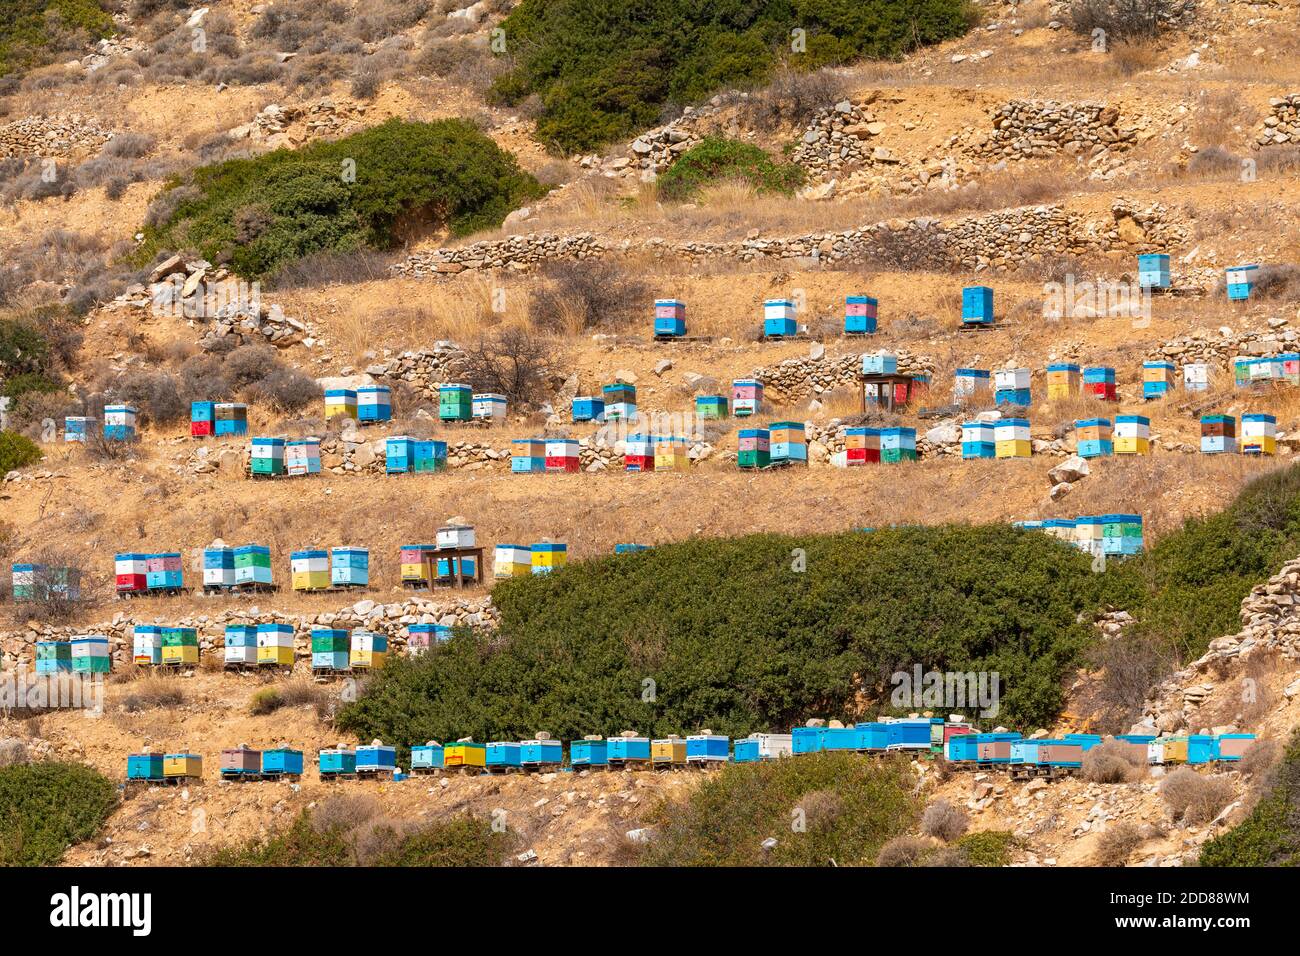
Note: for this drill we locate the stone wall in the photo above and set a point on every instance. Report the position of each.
(1035, 129)
(840, 136)
(1282, 125)
(51, 136)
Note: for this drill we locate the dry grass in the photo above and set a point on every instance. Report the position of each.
(1112, 762)
(944, 821)
(151, 690)
(1194, 799)
(1117, 843)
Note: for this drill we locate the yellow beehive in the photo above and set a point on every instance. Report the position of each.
(1259, 444)
(671, 456)
(182, 765)
(462, 754)
(370, 659)
(415, 572)
(1132, 446)
(1013, 448)
(671, 751)
(1176, 750)
(311, 580)
(275, 655)
(180, 655)
(550, 559)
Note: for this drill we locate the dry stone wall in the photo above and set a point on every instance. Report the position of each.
(1034, 129)
(1282, 125)
(51, 136)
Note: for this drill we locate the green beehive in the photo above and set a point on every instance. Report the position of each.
(893, 455)
(755, 458)
(455, 403)
(330, 641)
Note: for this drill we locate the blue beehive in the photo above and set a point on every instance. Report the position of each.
(909, 733)
(745, 750)
(1121, 534)
(1201, 748)
(144, 767)
(376, 757)
(349, 566)
(1230, 747)
(1156, 378)
(337, 760)
(880, 363)
(330, 648)
(860, 314)
(873, 735)
(779, 318)
(282, 760)
(429, 456)
(528, 455)
(1153, 271)
(707, 748)
(165, 577)
(503, 754)
(399, 454)
(374, 403)
(541, 752)
(204, 415)
(427, 756)
(628, 748)
(841, 738)
(1026, 751)
(806, 740)
(670, 317)
(1240, 280)
(630, 548)
(977, 305)
(589, 753)
(587, 408)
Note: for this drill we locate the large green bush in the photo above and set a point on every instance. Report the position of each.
(726, 634)
(17, 451)
(261, 214)
(604, 68)
(716, 159)
(822, 809)
(33, 31)
(47, 807)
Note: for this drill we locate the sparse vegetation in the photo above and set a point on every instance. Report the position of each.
(17, 451)
(1127, 19)
(1116, 844)
(47, 807)
(1112, 762)
(579, 296)
(944, 821)
(34, 32)
(1193, 798)
(1270, 835)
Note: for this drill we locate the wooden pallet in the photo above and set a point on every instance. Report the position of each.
(974, 326)
(330, 672)
(797, 337)
(684, 338)
(244, 587)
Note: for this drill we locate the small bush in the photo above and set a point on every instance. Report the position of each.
(1127, 19)
(286, 389)
(792, 98)
(17, 451)
(512, 362)
(47, 807)
(580, 296)
(904, 850)
(717, 160)
(988, 847)
(154, 691)
(1112, 762)
(1193, 799)
(12, 751)
(130, 145)
(266, 701)
(944, 821)
(1117, 843)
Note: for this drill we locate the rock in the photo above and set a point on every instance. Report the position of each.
(624, 375)
(661, 366)
(1072, 469)
(1059, 491)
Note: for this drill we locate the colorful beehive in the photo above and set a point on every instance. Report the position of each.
(587, 408)
(374, 403)
(1099, 382)
(282, 761)
(754, 448)
(203, 419)
(786, 443)
(147, 644)
(707, 748)
(1218, 434)
(334, 761)
(1240, 280)
(1088, 532)
(376, 757)
(671, 453)
(710, 407)
(630, 548)
(861, 445)
(977, 305)
(25, 581)
(1232, 747)
(241, 644)
(897, 444)
(562, 455)
(253, 564)
(512, 561)
(331, 648)
(1196, 377)
(119, 423)
(620, 402)
(489, 407)
(349, 567)
(309, 570)
(180, 646)
(1094, 437)
(340, 401)
(590, 751)
(879, 363)
(779, 318)
(639, 453)
(860, 314)
(1012, 386)
(268, 456)
(1121, 534)
(240, 761)
(541, 751)
(1153, 271)
(53, 657)
(430, 456)
(1064, 381)
(1132, 435)
(527, 455)
(144, 766)
(163, 571)
(969, 383)
(77, 428)
(422, 637)
(1290, 367)
(668, 752)
(746, 397)
(275, 644)
(548, 556)
(1258, 434)
(218, 567)
(369, 650)
(977, 440)
(627, 748)
(501, 755)
(182, 765)
(231, 419)
(414, 570)
(670, 318)
(464, 753)
(90, 655)
(1011, 437)
(130, 570)
(1157, 379)
(427, 756)
(1063, 529)
(759, 747)
(455, 402)
(302, 457)
(399, 455)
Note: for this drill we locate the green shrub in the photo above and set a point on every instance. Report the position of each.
(821, 807)
(988, 847)
(262, 214)
(1270, 836)
(47, 807)
(33, 31)
(716, 159)
(605, 68)
(17, 451)
(734, 639)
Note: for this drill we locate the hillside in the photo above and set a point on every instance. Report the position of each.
(256, 202)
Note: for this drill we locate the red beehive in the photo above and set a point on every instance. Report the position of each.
(131, 582)
(200, 429)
